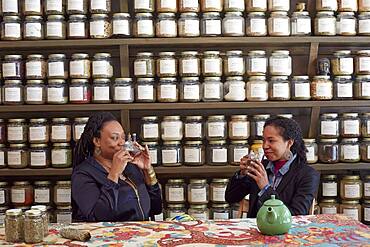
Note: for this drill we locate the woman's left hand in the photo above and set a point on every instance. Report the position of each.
(257, 171)
(142, 159)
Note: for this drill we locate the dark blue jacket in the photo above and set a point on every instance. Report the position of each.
(96, 198)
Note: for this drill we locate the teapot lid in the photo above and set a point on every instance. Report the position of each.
(273, 202)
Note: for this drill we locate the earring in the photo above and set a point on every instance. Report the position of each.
(288, 155)
(97, 151)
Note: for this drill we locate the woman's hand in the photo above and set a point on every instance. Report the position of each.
(142, 159)
(255, 170)
(119, 163)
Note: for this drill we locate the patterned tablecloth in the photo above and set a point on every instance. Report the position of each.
(318, 230)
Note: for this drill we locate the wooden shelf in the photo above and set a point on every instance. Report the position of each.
(35, 172)
(341, 166)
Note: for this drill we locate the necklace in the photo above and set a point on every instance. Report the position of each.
(122, 177)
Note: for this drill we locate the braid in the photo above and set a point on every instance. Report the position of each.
(290, 129)
(85, 146)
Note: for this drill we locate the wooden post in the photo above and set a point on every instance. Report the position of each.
(314, 53)
(124, 60)
(314, 122)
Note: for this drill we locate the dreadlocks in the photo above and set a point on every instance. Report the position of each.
(290, 129)
(85, 146)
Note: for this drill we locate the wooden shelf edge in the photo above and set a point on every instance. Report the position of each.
(342, 166)
(35, 172)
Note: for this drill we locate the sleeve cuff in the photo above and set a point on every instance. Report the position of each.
(263, 190)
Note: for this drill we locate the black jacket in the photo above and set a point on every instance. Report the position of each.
(297, 189)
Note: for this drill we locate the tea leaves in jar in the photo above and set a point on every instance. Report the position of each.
(14, 226)
(33, 227)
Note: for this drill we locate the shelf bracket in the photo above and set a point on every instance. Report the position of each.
(314, 53)
(314, 122)
(124, 60)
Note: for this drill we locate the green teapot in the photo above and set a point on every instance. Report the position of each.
(274, 218)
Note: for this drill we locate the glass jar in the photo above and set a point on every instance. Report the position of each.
(325, 23)
(77, 27)
(121, 25)
(312, 150)
(278, 5)
(61, 155)
(199, 212)
(35, 67)
(234, 89)
(343, 87)
(329, 125)
(57, 92)
(326, 5)
(145, 90)
(366, 187)
(350, 125)
(38, 131)
(55, 7)
(362, 62)
(257, 124)
(257, 88)
(21, 194)
(256, 23)
(321, 88)
(365, 150)
(63, 215)
(172, 128)
(79, 91)
(166, 25)
(218, 189)
(234, 64)
(211, 24)
(346, 24)
(189, 64)
(189, 6)
(301, 23)
(216, 127)
(33, 227)
(198, 191)
(166, 6)
(174, 210)
(100, 26)
(347, 5)
(239, 127)
(12, 67)
(350, 150)
(55, 27)
(175, 190)
(212, 89)
(280, 63)
(217, 153)
(154, 153)
(11, 28)
(57, 66)
(279, 88)
(188, 25)
(100, 6)
(232, 5)
(364, 23)
(17, 156)
(329, 186)
(351, 209)
(79, 7)
(144, 5)
(62, 193)
(123, 90)
(211, 63)
(80, 66)
(168, 90)
(171, 153)
(14, 226)
(143, 25)
(220, 211)
(78, 127)
(190, 89)
(362, 87)
(102, 66)
(60, 130)
(17, 130)
(13, 92)
(2, 131)
(44, 217)
(194, 128)
(237, 150)
(256, 63)
(4, 194)
(233, 24)
(101, 91)
(365, 125)
(10, 7)
(34, 92)
(329, 151)
(194, 153)
(329, 206)
(144, 65)
(256, 6)
(42, 192)
(300, 88)
(279, 23)
(166, 64)
(351, 188)
(342, 63)
(366, 206)
(33, 28)
(212, 5)
(149, 128)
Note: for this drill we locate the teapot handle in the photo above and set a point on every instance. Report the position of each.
(271, 216)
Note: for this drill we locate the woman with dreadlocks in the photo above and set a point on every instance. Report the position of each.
(108, 183)
(284, 173)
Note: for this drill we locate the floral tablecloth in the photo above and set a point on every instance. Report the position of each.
(318, 230)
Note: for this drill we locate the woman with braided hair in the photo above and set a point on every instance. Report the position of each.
(284, 173)
(108, 183)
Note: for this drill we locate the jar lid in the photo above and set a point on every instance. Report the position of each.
(217, 142)
(214, 78)
(168, 79)
(234, 52)
(187, 79)
(57, 56)
(235, 78)
(13, 82)
(220, 205)
(149, 118)
(185, 15)
(118, 15)
(211, 53)
(366, 201)
(257, 141)
(33, 213)
(290, 116)
(220, 180)
(234, 13)
(321, 77)
(99, 16)
(171, 143)
(42, 183)
(2, 183)
(6, 57)
(323, 13)
(22, 208)
(150, 143)
(261, 116)
(63, 144)
(13, 212)
(198, 181)
(278, 13)
(342, 77)
(366, 140)
(11, 18)
(300, 77)
(41, 208)
(279, 77)
(63, 182)
(350, 201)
(33, 18)
(350, 114)
(193, 143)
(331, 115)
(239, 142)
(144, 54)
(56, 81)
(35, 82)
(145, 79)
(257, 78)
(42, 145)
(123, 80)
(102, 80)
(198, 206)
(309, 140)
(280, 52)
(216, 117)
(334, 140)
(239, 117)
(35, 56)
(77, 17)
(167, 53)
(168, 118)
(79, 81)
(55, 17)
(21, 183)
(60, 119)
(176, 180)
(194, 118)
(38, 120)
(346, 13)
(363, 52)
(363, 77)
(18, 145)
(81, 119)
(256, 52)
(80, 56)
(300, 13)
(342, 52)
(66, 208)
(261, 14)
(328, 201)
(148, 15)
(211, 14)
(166, 15)
(351, 177)
(179, 205)
(104, 55)
(16, 120)
(331, 176)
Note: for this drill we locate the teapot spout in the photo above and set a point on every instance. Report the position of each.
(271, 215)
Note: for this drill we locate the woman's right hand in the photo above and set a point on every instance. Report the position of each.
(119, 163)
(244, 164)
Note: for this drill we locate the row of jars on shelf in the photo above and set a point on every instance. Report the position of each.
(349, 187)
(350, 208)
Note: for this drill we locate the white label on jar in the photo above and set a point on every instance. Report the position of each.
(15, 133)
(192, 155)
(219, 155)
(198, 195)
(346, 64)
(12, 94)
(326, 25)
(366, 3)
(351, 152)
(258, 25)
(240, 153)
(329, 4)
(363, 26)
(235, 64)
(240, 129)
(123, 93)
(344, 90)
(191, 92)
(364, 63)
(99, 4)
(145, 27)
(212, 91)
(34, 94)
(280, 3)
(190, 66)
(212, 4)
(349, 4)
(219, 194)
(213, 27)
(56, 69)
(10, 6)
(55, 94)
(302, 90)
(281, 90)
(303, 26)
(168, 4)
(2, 197)
(351, 213)
(329, 127)
(329, 210)
(168, 91)
(367, 188)
(77, 29)
(259, 4)
(77, 68)
(258, 64)
(158, 217)
(64, 218)
(200, 216)
(310, 154)
(58, 132)
(169, 156)
(42, 195)
(351, 127)
(97, 28)
(323, 90)
(54, 29)
(38, 158)
(216, 129)
(167, 66)
(32, 5)
(37, 133)
(172, 130)
(191, 27)
(193, 130)
(33, 30)
(347, 25)
(9, 69)
(365, 89)
(366, 214)
(58, 157)
(190, 4)
(176, 194)
(168, 27)
(18, 195)
(150, 130)
(211, 65)
(2, 158)
(63, 195)
(153, 156)
(55, 5)
(236, 4)
(329, 189)
(15, 158)
(145, 92)
(34, 68)
(121, 27)
(101, 67)
(281, 65)
(101, 93)
(260, 128)
(79, 129)
(220, 216)
(259, 90)
(234, 26)
(140, 68)
(12, 30)
(280, 25)
(351, 190)
(236, 92)
(142, 4)
(76, 93)
(75, 4)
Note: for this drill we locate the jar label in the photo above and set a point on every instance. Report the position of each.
(332, 4)
(153, 156)
(198, 195)
(32, 5)
(64, 218)
(365, 89)
(191, 27)
(37, 133)
(191, 92)
(351, 127)
(56, 94)
(349, 4)
(158, 217)
(367, 188)
(311, 156)
(77, 29)
(346, 65)
(168, 92)
(324, 89)
(280, 25)
(2, 158)
(302, 90)
(236, 4)
(259, 4)
(168, 27)
(364, 63)
(168, 4)
(192, 155)
(368, 152)
(259, 90)
(145, 92)
(124, 93)
(97, 28)
(42, 195)
(63, 196)
(12, 30)
(351, 213)
(258, 25)
(101, 68)
(365, 3)
(303, 26)
(75, 5)
(38, 158)
(236, 92)
(169, 156)
(329, 210)
(99, 4)
(281, 90)
(190, 4)
(172, 130)
(59, 132)
(218, 194)
(363, 26)
(216, 129)
(213, 4)
(239, 129)
(219, 155)
(212, 91)
(79, 129)
(54, 29)
(199, 216)
(145, 27)
(326, 25)
(140, 68)
(34, 68)
(352, 191)
(56, 69)
(220, 216)
(233, 26)
(76, 93)
(33, 30)
(329, 189)
(212, 65)
(101, 93)
(347, 26)
(9, 69)
(258, 65)
(15, 133)
(12, 94)
(190, 66)
(351, 152)
(366, 214)
(281, 65)
(259, 128)
(18, 195)
(142, 4)
(344, 90)
(193, 130)
(34, 94)
(77, 68)
(54, 5)
(176, 195)
(2, 196)
(239, 153)
(10, 6)
(58, 157)
(329, 128)
(213, 27)
(121, 27)
(14, 158)
(235, 64)
(150, 131)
